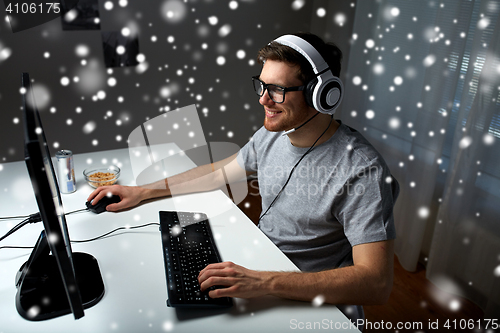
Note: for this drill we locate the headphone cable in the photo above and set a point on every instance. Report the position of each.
(296, 128)
(293, 169)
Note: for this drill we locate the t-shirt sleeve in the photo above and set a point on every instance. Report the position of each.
(365, 208)
(247, 156)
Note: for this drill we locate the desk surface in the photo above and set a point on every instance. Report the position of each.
(131, 263)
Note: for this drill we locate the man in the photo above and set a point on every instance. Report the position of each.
(327, 195)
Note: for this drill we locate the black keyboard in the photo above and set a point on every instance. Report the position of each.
(188, 247)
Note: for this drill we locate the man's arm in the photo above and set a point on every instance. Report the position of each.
(203, 178)
(367, 282)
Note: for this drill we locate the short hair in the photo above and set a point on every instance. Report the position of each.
(278, 52)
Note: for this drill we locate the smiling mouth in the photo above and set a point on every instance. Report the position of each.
(272, 113)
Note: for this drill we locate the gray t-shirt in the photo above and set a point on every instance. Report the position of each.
(340, 195)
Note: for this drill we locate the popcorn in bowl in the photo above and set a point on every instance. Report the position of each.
(104, 176)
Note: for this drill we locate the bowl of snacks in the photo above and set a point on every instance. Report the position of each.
(103, 176)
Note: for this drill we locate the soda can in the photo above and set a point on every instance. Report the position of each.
(66, 171)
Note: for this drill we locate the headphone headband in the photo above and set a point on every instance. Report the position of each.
(306, 50)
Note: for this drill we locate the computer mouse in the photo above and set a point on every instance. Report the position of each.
(100, 206)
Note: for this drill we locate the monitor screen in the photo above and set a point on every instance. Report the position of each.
(50, 285)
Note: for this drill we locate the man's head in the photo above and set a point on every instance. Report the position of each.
(285, 67)
(279, 52)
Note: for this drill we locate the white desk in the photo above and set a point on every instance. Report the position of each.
(131, 263)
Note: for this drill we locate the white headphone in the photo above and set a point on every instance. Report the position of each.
(325, 92)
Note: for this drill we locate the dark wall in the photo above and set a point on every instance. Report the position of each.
(181, 44)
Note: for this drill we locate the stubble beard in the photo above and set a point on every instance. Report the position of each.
(284, 124)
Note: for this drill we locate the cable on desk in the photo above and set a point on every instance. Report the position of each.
(77, 211)
(28, 216)
(115, 230)
(14, 217)
(16, 247)
(91, 239)
(33, 218)
(17, 227)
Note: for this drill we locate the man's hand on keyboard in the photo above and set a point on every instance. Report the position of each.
(237, 281)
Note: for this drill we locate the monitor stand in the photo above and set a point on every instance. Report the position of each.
(41, 293)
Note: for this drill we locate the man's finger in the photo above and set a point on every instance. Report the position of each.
(216, 281)
(219, 265)
(222, 292)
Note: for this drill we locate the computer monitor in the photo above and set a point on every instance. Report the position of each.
(54, 281)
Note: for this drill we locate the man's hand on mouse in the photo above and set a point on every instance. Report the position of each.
(130, 196)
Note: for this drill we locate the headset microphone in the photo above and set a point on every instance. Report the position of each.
(296, 128)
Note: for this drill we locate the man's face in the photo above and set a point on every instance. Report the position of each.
(293, 111)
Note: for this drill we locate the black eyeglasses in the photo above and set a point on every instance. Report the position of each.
(275, 92)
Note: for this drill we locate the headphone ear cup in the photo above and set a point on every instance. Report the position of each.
(309, 91)
(328, 95)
